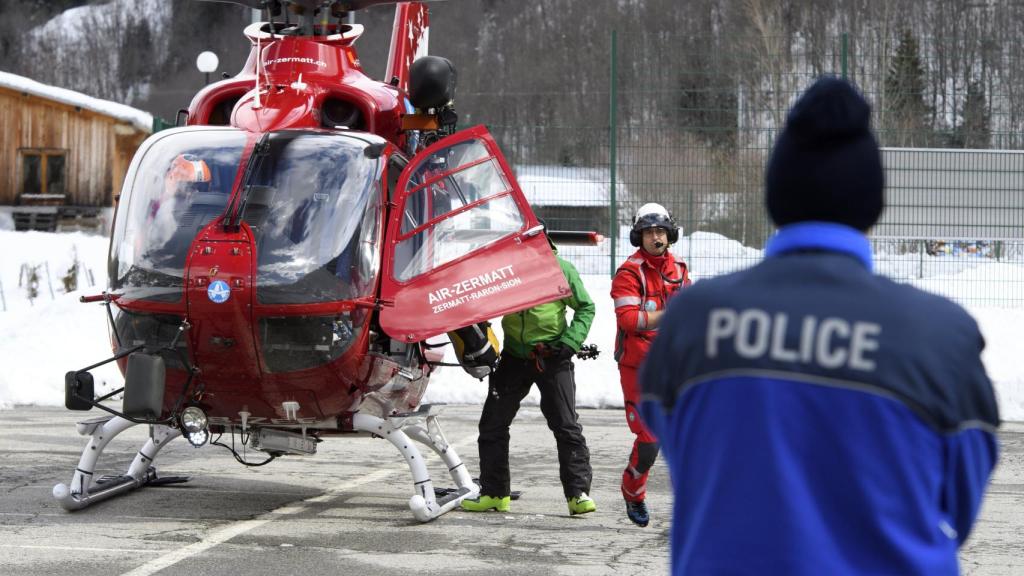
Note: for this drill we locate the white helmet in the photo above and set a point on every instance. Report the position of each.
(652, 215)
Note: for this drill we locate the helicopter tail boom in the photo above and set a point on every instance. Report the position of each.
(409, 41)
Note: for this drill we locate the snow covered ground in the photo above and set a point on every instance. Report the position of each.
(43, 338)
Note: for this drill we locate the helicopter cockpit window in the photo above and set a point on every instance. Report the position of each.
(305, 201)
(464, 205)
(182, 183)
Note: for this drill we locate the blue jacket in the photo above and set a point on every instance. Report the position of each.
(819, 419)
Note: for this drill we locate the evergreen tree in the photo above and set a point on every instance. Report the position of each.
(707, 102)
(907, 115)
(135, 65)
(975, 131)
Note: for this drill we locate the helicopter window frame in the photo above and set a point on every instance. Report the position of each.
(429, 255)
(453, 213)
(479, 182)
(395, 166)
(449, 176)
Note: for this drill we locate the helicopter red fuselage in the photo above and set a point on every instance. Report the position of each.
(297, 292)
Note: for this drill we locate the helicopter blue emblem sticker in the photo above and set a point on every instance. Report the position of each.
(218, 292)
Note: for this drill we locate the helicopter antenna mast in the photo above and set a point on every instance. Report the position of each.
(259, 66)
(408, 41)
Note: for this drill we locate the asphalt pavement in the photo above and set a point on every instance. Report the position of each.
(345, 510)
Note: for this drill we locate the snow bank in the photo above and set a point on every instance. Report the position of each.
(43, 337)
(39, 344)
(40, 340)
(1001, 328)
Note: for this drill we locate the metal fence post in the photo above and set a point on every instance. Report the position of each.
(692, 219)
(612, 151)
(845, 55)
(920, 264)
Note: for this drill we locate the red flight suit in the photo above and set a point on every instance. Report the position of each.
(642, 284)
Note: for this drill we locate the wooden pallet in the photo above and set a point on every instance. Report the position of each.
(43, 218)
(54, 218)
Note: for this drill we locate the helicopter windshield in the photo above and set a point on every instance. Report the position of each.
(181, 183)
(312, 201)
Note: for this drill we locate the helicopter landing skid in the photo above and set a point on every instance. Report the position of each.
(422, 427)
(85, 490)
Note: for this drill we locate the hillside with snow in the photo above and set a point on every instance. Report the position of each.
(106, 50)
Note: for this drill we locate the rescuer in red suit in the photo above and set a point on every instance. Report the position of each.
(641, 289)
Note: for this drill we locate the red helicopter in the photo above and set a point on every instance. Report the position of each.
(278, 263)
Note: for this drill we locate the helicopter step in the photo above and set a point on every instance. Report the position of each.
(423, 427)
(85, 490)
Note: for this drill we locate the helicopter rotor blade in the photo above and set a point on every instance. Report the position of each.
(346, 5)
(351, 5)
(254, 4)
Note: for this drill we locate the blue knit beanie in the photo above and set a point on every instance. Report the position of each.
(826, 165)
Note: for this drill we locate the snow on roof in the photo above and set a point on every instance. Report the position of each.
(552, 185)
(142, 120)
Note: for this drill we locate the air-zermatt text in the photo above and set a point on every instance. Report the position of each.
(474, 288)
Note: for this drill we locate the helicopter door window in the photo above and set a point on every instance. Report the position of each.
(457, 202)
(450, 158)
(469, 261)
(469, 184)
(456, 236)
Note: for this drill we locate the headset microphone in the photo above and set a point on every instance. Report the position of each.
(658, 244)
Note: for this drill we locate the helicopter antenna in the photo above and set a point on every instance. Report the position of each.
(270, 20)
(259, 65)
(409, 39)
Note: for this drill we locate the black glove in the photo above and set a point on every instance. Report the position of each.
(561, 352)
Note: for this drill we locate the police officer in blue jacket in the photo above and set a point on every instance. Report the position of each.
(817, 418)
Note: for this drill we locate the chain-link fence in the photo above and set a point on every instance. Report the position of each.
(693, 128)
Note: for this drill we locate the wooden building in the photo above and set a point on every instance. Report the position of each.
(63, 155)
(572, 198)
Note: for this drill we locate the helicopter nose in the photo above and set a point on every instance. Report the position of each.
(220, 305)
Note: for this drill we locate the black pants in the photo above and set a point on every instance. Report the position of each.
(508, 386)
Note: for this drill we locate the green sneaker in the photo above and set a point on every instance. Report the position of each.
(485, 503)
(581, 504)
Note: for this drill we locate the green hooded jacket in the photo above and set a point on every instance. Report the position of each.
(546, 323)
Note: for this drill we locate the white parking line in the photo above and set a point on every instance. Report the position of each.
(80, 548)
(237, 528)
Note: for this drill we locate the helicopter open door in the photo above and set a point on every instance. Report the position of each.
(463, 244)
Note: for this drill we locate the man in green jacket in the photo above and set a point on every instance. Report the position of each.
(539, 347)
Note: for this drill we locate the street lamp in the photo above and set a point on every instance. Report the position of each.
(207, 62)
